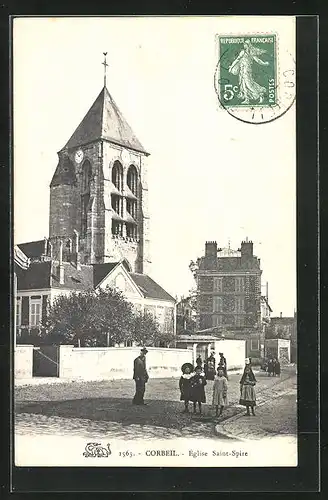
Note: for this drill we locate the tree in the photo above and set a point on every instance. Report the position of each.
(89, 318)
(98, 318)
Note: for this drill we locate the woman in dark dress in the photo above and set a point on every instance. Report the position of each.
(198, 383)
(185, 385)
(247, 390)
(209, 367)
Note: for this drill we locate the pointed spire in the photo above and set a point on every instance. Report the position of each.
(105, 68)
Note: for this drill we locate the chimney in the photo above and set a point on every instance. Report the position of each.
(61, 267)
(281, 314)
(211, 249)
(246, 250)
(211, 255)
(76, 250)
(45, 248)
(267, 291)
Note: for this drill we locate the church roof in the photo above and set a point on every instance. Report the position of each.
(150, 288)
(104, 120)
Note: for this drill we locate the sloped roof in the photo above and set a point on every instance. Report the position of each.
(32, 249)
(104, 120)
(100, 271)
(64, 173)
(74, 279)
(150, 288)
(38, 275)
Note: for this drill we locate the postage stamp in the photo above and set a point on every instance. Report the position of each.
(254, 81)
(248, 70)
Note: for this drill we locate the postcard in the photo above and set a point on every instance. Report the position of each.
(155, 241)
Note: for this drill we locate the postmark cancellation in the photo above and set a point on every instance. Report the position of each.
(255, 77)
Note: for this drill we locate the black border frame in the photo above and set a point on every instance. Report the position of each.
(305, 476)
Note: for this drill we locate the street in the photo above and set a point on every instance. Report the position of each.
(104, 409)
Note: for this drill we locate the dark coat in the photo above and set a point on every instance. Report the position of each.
(198, 383)
(139, 369)
(185, 388)
(209, 368)
(276, 368)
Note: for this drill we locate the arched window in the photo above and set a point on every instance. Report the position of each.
(117, 175)
(132, 179)
(85, 195)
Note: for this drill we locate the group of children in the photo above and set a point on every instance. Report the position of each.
(192, 388)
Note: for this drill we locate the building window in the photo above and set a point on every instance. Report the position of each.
(228, 284)
(151, 310)
(217, 304)
(18, 312)
(239, 304)
(217, 284)
(117, 228)
(217, 320)
(255, 345)
(131, 231)
(240, 285)
(131, 207)
(117, 204)
(132, 179)
(117, 175)
(240, 320)
(35, 313)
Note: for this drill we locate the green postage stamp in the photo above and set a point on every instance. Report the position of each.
(247, 71)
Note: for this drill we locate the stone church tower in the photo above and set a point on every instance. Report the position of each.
(99, 192)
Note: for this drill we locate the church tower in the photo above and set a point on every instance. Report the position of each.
(99, 192)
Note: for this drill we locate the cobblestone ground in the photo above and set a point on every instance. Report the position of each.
(275, 414)
(104, 408)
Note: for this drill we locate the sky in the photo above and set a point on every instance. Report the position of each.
(211, 177)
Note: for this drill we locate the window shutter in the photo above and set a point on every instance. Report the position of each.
(25, 311)
(44, 306)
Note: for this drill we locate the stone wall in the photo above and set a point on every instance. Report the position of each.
(117, 362)
(23, 361)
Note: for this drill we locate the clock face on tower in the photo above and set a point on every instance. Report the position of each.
(79, 156)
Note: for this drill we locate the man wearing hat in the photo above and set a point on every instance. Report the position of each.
(140, 377)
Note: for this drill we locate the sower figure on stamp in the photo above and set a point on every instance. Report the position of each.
(249, 89)
(140, 377)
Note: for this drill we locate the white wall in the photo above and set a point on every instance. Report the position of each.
(233, 350)
(23, 361)
(117, 362)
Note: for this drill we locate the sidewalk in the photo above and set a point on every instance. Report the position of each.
(276, 414)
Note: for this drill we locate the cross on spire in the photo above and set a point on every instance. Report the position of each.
(105, 68)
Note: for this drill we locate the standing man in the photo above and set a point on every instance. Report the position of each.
(140, 377)
(223, 364)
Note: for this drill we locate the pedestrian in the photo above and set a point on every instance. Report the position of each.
(199, 361)
(140, 377)
(277, 368)
(223, 364)
(185, 384)
(209, 367)
(247, 390)
(270, 367)
(220, 390)
(198, 382)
